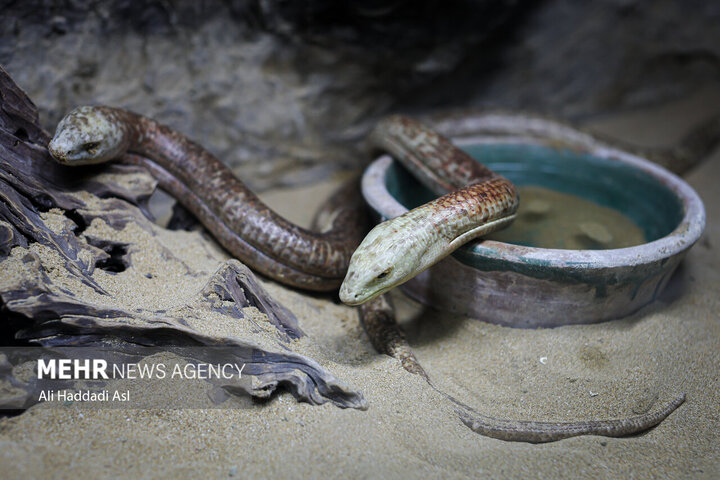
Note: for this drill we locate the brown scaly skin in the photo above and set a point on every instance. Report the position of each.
(317, 261)
(538, 432)
(242, 223)
(378, 318)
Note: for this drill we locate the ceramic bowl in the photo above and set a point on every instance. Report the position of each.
(525, 286)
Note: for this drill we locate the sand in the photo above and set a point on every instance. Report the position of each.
(410, 431)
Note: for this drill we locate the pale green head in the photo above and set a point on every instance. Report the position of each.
(87, 135)
(391, 254)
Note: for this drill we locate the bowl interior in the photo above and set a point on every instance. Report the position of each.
(642, 198)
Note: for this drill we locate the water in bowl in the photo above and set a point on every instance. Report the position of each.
(552, 219)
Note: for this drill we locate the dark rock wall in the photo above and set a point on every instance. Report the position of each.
(285, 90)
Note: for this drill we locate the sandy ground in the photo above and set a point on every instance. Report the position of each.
(410, 431)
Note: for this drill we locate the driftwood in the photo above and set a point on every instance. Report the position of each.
(37, 309)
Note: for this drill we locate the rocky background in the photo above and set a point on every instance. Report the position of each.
(285, 90)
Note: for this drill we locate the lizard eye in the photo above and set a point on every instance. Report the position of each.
(385, 273)
(90, 147)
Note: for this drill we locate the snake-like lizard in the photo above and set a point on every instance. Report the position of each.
(479, 202)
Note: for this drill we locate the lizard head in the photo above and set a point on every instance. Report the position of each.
(87, 135)
(391, 254)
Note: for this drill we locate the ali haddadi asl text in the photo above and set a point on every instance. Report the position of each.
(83, 396)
